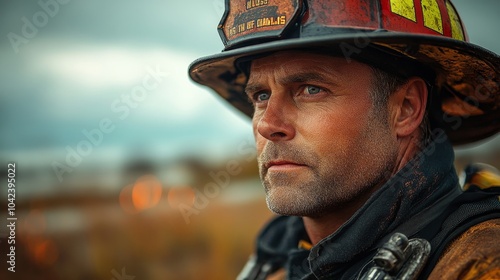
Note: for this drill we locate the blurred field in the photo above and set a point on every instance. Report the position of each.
(140, 230)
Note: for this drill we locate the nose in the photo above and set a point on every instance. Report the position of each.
(275, 123)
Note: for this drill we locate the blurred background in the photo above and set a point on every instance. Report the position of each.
(125, 168)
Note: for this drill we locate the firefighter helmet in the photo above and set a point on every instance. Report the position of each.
(406, 37)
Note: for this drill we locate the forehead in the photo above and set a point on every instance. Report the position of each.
(286, 63)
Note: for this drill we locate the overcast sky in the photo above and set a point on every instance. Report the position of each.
(88, 54)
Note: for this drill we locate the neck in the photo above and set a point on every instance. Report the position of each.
(408, 148)
(321, 226)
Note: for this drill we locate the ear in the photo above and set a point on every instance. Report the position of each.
(408, 106)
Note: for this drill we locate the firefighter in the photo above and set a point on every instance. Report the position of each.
(356, 106)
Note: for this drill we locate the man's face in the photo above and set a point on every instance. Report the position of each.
(321, 144)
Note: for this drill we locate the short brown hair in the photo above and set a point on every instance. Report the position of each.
(383, 85)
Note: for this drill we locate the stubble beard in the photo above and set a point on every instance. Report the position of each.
(322, 188)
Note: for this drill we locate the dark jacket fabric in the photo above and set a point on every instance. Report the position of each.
(416, 201)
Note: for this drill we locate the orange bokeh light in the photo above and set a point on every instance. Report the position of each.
(146, 192)
(45, 252)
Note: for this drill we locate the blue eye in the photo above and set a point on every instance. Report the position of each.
(262, 96)
(313, 89)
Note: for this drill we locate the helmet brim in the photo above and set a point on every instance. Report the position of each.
(466, 103)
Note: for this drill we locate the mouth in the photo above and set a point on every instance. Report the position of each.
(282, 165)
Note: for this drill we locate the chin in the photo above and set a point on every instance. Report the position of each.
(283, 201)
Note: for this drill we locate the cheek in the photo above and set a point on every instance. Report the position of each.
(333, 125)
(335, 135)
(329, 139)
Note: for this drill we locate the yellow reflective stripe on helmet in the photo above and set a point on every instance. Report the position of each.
(404, 8)
(456, 25)
(432, 15)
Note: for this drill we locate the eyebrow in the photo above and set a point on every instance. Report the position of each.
(253, 87)
(291, 79)
(303, 77)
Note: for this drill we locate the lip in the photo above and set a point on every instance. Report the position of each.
(282, 165)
